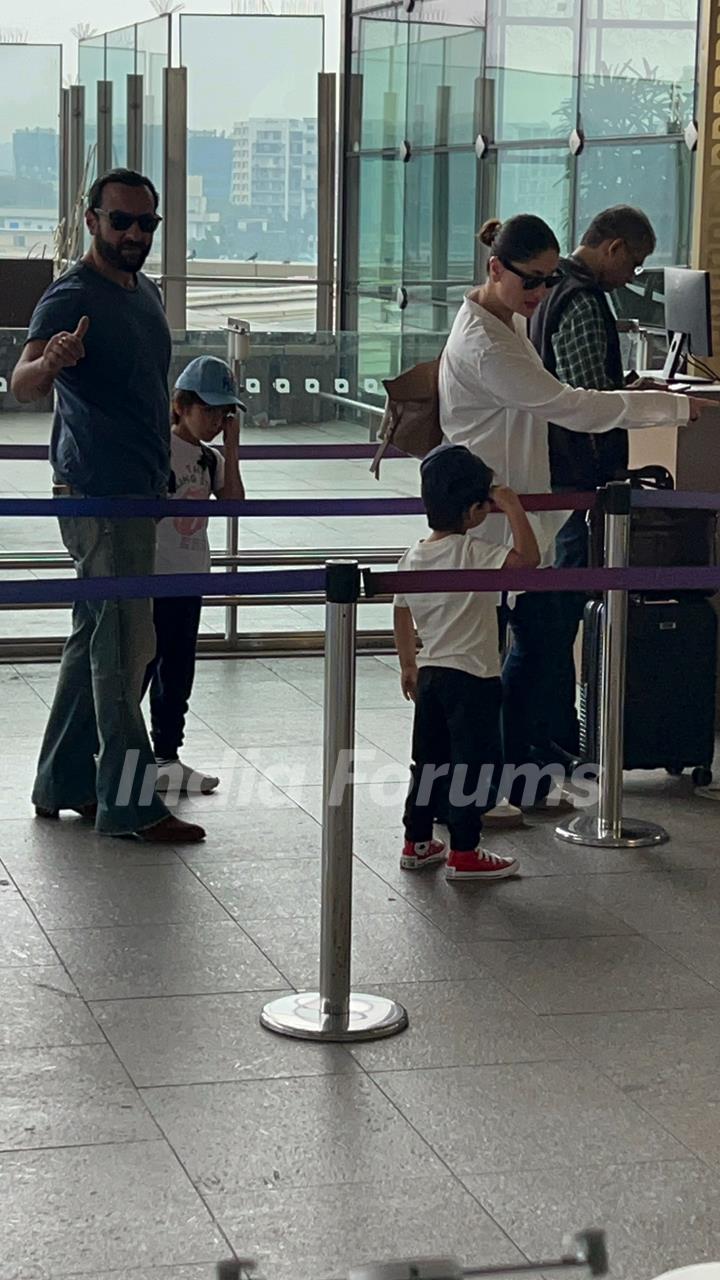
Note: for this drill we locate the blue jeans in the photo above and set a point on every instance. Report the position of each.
(96, 747)
(571, 552)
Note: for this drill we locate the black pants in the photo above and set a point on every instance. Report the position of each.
(530, 678)
(171, 673)
(456, 731)
(571, 552)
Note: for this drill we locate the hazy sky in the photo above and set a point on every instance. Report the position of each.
(51, 20)
(230, 78)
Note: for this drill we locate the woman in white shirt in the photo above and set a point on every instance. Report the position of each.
(497, 398)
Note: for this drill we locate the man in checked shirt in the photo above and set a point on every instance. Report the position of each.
(575, 333)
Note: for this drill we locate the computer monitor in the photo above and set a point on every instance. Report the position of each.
(687, 316)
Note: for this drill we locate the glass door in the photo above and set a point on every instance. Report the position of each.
(412, 183)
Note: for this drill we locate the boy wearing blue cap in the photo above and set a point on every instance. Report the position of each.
(454, 681)
(204, 402)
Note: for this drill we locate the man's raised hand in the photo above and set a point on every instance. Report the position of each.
(65, 350)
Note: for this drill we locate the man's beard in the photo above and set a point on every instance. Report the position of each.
(124, 257)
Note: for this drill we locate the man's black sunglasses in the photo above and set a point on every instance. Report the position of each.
(534, 282)
(121, 221)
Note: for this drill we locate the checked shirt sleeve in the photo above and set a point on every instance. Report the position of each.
(580, 345)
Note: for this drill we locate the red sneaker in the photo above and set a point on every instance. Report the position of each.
(422, 853)
(478, 864)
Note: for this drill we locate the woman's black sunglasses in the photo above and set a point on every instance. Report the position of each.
(533, 282)
(120, 221)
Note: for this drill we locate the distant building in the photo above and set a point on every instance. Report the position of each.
(210, 155)
(25, 231)
(275, 168)
(35, 154)
(201, 223)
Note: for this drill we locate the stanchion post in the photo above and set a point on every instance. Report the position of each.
(607, 828)
(343, 588)
(335, 1012)
(238, 332)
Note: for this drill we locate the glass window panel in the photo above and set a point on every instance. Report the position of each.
(440, 216)
(534, 86)
(91, 60)
(426, 206)
(654, 177)
(359, 5)
(428, 318)
(462, 13)
(559, 9)
(463, 219)
(642, 300)
(380, 250)
(379, 324)
(381, 60)
(91, 68)
(654, 11)
(120, 63)
(30, 78)
(153, 50)
(252, 141)
(445, 65)
(535, 181)
(651, 90)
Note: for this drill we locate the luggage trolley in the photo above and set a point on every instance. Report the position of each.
(586, 1251)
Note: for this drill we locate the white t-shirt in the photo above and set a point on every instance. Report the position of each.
(458, 629)
(497, 398)
(182, 543)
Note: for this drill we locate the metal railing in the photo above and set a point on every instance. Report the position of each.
(230, 642)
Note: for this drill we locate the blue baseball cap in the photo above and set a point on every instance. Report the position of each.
(212, 381)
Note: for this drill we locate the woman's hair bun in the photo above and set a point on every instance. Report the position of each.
(488, 231)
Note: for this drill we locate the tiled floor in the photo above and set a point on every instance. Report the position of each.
(560, 1069)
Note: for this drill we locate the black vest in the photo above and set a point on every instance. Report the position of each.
(580, 461)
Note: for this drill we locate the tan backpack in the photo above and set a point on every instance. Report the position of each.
(411, 422)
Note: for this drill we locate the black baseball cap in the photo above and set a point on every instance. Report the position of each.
(451, 465)
(452, 480)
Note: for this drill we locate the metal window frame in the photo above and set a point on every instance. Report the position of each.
(496, 21)
(326, 196)
(134, 125)
(104, 125)
(174, 244)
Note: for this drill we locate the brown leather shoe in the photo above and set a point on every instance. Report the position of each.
(87, 811)
(172, 830)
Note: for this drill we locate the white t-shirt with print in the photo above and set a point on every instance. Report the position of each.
(182, 542)
(457, 629)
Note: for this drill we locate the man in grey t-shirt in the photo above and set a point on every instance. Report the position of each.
(100, 339)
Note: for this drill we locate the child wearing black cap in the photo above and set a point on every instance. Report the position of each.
(455, 679)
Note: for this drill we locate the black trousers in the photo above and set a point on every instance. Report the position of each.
(456, 735)
(530, 678)
(572, 551)
(171, 673)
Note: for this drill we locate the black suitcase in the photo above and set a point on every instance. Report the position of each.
(667, 536)
(670, 687)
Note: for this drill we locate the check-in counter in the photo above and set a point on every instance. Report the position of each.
(691, 454)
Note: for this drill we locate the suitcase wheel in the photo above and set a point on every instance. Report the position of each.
(676, 771)
(702, 777)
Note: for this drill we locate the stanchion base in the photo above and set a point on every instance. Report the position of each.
(634, 834)
(299, 1015)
